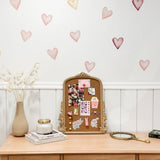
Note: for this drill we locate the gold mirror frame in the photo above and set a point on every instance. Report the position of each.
(103, 118)
(132, 137)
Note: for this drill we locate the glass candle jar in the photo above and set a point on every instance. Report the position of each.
(44, 126)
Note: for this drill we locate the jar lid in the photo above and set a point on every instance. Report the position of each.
(43, 121)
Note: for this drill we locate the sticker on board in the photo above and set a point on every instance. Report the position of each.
(94, 102)
(94, 122)
(75, 95)
(91, 91)
(76, 124)
(85, 108)
(84, 83)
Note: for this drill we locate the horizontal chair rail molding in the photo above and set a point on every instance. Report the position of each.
(106, 85)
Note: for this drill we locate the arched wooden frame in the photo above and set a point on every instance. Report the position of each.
(64, 126)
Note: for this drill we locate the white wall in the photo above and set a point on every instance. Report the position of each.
(140, 30)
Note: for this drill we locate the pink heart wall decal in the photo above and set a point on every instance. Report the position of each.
(106, 13)
(26, 35)
(137, 3)
(117, 42)
(89, 66)
(46, 19)
(144, 64)
(75, 35)
(15, 3)
(52, 53)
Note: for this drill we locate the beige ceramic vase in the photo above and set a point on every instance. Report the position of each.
(20, 124)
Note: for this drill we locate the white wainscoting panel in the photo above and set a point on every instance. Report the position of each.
(47, 104)
(144, 110)
(32, 107)
(112, 108)
(11, 108)
(156, 109)
(59, 95)
(129, 108)
(3, 111)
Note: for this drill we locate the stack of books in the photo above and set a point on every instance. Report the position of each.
(36, 138)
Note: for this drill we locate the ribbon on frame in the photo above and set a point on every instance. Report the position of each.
(95, 113)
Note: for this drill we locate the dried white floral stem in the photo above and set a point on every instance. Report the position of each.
(18, 82)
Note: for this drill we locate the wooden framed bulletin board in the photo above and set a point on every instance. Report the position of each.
(82, 108)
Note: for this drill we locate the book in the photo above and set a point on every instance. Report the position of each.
(53, 134)
(36, 138)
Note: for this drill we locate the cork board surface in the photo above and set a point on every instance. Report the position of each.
(69, 120)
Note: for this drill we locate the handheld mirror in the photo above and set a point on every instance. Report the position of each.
(127, 136)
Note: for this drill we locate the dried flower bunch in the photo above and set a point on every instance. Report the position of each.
(19, 81)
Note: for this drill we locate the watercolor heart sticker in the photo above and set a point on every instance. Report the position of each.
(75, 35)
(46, 19)
(118, 42)
(106, 13)
(73, 3)
(26, 35)
(15, 3)
(144, 64)
(137, 3)
(53, 53)
(70, 113)
(89, 65)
